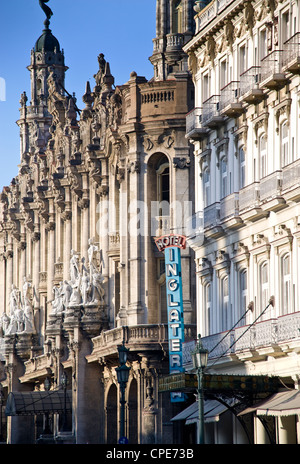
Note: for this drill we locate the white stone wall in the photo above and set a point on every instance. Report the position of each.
(240, 240)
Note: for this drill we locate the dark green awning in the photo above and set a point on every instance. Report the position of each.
(38, 402)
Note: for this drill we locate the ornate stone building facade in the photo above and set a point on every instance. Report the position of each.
(245, 128)
(80, 272)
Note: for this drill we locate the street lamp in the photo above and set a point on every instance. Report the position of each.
(122, 376)
(199, 356)
(64, 383)
(47, 386)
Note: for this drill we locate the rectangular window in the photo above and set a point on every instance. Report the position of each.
(263, 156)
(242, 162)
(223, 172)
(207, 299)
(205, 87)
(264, 289)
(243, 59)
(225, 303)
(284, 135)
(223, 74)
(286, 284)
(263, 44)
(285, 27)
(243, 296)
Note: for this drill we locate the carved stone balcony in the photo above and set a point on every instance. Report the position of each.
(272, 74)
(249, 86)
(229, 212)
(270, 192)
(195, 230)
(194, 127)
(291, 55)
(212, 225)
(291, 181)
(144, 337)
(249, 203)
(175, 41)
(211, 116)
(275, 336)
(229, 100)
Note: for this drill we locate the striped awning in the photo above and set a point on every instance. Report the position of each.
(284, 403)
(212, 411)
(38, 402)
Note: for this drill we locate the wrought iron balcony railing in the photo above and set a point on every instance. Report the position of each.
(229, 100)
(249, 85)
(211, 116)
(272, 74)
(291, 54)
(194, 127)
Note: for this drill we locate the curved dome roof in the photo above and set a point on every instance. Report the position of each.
(47, 41)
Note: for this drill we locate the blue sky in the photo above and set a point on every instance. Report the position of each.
(121, 29)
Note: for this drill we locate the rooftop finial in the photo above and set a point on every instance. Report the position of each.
(48, 12)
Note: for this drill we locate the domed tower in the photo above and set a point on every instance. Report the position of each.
(35, 120)
(45, 57)
(174, 28)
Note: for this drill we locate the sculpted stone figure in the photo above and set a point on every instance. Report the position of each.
(26, 294)
(92, 250)
(85, 288)
(97, 288)
(66, 293)
(5, 321)
(74, 267)
(57, 302)
(14, 299)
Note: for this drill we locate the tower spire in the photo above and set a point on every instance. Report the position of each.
(174, 28)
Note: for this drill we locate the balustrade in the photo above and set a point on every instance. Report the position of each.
(267, 333)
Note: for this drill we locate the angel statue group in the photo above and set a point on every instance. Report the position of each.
(20, 319)
(85, 286)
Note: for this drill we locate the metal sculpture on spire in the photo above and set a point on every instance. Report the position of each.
(48, 12)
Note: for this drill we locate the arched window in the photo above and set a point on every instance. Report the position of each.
(242, 166)
(224, 303)
(163, 194)
(286, 284)
(284, 144)
(163, 181)
(206, 187)
(263, 156)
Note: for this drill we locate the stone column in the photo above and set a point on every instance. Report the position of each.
(136, 223)
(85, 224)
(87, 390)
(50, 226)
(149, 414)
(9, 274)
(67, 218)
(36, 276)
(20, 430)
(2, 276)
(123, 268)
